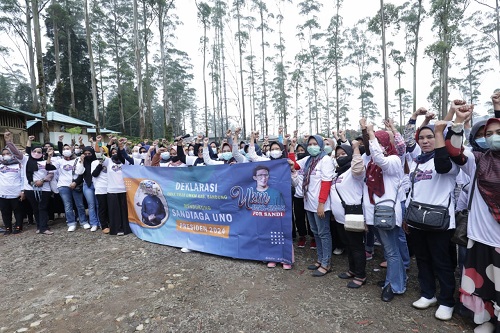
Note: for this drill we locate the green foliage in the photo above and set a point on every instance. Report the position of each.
(74, 130)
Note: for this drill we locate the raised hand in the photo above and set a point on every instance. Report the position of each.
(495, 98)
(369, 127)
(354, 144)
(440, 126)
(205, 142)
(31, 138)
(362, 123)
(7, 136)
(61, 138)
(228, 133)
(98, 138)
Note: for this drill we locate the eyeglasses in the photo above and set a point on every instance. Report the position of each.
(264, 175)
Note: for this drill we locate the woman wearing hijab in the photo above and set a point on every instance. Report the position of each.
(276, 150)
(384, 175)
(36, 185)
(226, 156)
(70, 188)
(116, 191)
(480, 285)
(11, 183)
(433, 181)
(100, 183)
(347, 189)
(318, 174)
(84, 169)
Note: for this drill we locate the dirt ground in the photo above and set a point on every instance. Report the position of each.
(91, 282)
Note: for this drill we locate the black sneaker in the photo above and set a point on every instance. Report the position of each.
(7, 232)
(17, 230)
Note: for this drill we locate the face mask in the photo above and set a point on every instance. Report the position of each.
(328, 149)
(227, 155)
(67, 153)
(78, 151)
(165, 156)
(191, 153)
(242, 151)
(214, 150)
(7, 158)
(342, 160)
(493, 142)
(301, 155)
(313, 150)
(143, 155)
(174, 158)
(276, 154)
(268, 153)
(481, 142)
(136, 155)
(36, 156)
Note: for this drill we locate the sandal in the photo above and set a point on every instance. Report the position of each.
(346, 275)
(314, 266)
(287, 266)
(318, 273)
(383, 264)
(271, 264)
(352, 284)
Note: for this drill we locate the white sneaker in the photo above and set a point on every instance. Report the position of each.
(338, 252)
(86, 226)
(72, 228)
(120, 233)
(444, 312)
(424, 303)
(486, 327)
(94, 228)
(185, 250)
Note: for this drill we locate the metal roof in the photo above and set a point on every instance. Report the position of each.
(103, 130)
(14, 110)
(62, 118)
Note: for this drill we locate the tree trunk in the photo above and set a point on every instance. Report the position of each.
(31, 54)
(264, 94)
(497, 13)
(118, 74)
(240, 48)
(138, 69)
(400, 98)
(223, 72)
(72, 111)
(384, 62)
(415, 56)
(92, 69)
(41, 75)
(149, 109)
(204, 76)
(56, 49)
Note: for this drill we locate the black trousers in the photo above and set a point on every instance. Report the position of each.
(118, 213)
(40, 208)
(102, 210)
(299, 218)
(355, 247)
(9, 206)
(338, 238)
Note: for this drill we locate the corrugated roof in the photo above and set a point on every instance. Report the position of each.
(103, 130)
(30, 123)
(62, 118)
(14, 110)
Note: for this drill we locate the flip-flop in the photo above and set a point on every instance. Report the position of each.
(271, 264)
(314, 266)
(318, 273)
(346, 275)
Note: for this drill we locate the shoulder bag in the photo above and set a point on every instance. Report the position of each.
(461, 220)
(354, 219)
(425, 216)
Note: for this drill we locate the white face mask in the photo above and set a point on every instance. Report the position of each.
(7, 158)
(191, 153)
(67, 153)
(214, 150)
(143, 155)
(78, 151)
(165, 156)
(136, 155)
(276, 153)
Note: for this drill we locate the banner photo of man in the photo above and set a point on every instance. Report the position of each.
(240, 211)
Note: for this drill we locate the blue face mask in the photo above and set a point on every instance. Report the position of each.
(493, 142)
(328, 149)
(481, 142)
(227, 155)
(165, 156)
(313, 150)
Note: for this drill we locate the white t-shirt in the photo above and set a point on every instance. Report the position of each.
(482, 226)
(40, 174)
(115, 177)
(324, 171)
(350, 188)
(393, 176)
(11, 181)
(100, 182)
(65, 169)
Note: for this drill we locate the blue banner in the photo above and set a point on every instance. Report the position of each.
(241, 211)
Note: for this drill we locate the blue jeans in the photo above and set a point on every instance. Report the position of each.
(89, 193)
(67, 196)
(321, 231)
(396, 273)
(403, 245)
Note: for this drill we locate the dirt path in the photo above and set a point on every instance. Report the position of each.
(90, 282)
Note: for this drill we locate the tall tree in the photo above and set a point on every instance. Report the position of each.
(138, 70)
(88, 33)
(237, 7)
(204, 17)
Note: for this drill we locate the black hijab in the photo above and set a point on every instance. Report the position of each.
(87, 163)
(344, 163)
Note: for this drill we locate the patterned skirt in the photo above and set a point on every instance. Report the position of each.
(480, 287)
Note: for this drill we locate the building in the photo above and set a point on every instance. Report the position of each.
(14, 121)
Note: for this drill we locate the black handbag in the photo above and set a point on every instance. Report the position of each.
(426, 216)
(461, 220)
(384, 217)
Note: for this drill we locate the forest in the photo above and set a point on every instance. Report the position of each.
(122, 64)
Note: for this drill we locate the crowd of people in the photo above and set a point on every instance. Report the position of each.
(401, 189)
